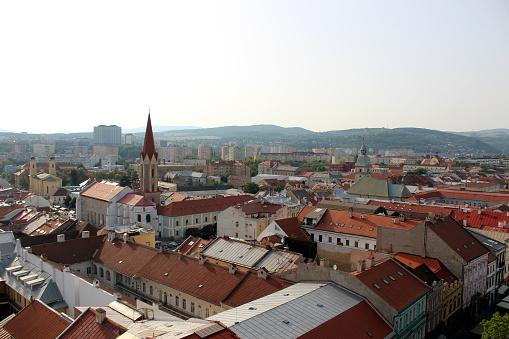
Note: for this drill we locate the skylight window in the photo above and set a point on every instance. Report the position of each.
(371, 229)
(392, 278)
(350, 226)
(359, 227)
(385, 281)
(377, 287)
(342, 225)
(401, 274)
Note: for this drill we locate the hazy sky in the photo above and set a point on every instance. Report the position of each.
(321, 65)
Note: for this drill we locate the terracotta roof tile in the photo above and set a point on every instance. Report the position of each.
(252, 288)
(356, 322)
(128, 258)
(70, 251)
(187, 207)
(36, 318)
(134, 199)
(457, 194)
(391, 291)
(258, 207)
(102, 191)
(434, 264)
(86, 326)
(291, 227)
(480, 218)
(459, 239)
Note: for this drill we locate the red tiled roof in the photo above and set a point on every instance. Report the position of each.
(258, 207)
(187, 275)
(86, 326)
(70, 251)
(480, 218)
(434, 264)
(149, 148)
(291, 227)
(355, 322)
(491, 257)
(361, 224)
(187, 207)
(402, 207)
(134, 199)
(459, 239)
(252, 288)
(496, 229)
(128, 258)
(392, 292)
(102, 191)
(36, 318)
(457, 194)
(4, 210)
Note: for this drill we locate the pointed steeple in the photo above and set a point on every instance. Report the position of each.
(149, 148)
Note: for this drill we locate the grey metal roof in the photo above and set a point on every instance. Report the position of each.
(376, 187)
(41, 287)
(289, 313)
(7, 242)
(490, 243)
(237, 252)
(278, 261)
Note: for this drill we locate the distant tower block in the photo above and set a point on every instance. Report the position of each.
(149, 160)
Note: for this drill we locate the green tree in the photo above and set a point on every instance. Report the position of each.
(80, 165)
(67, 200)
(280, 186)
(23, 182)
(124, 181)
(72, 203)
(251, 188)
(73, 177)
(497, 327)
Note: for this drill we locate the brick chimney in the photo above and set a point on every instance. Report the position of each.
(360, 265)
(350, 212)
(100, 315)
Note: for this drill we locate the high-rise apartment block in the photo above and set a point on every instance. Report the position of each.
(107, 135)
(203, 152)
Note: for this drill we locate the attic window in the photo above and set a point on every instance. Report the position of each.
(241, 256)
(472, 243)
(342, 225)
(377, 287)
(331, 223)
(465, 246)
(371, 229)
(392, 278)
(319, 305)
(369, 334)
(166, 274)
(252, 308)
(359, 227)
(286, 322)
(286, 294)
(200, 285)
(385, 281)
(401, 274)
(350, 226)
(458, 249)
(120, 262)
(337, 224)
(191, 243)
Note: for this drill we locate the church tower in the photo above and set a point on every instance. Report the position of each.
(363, 165)
(148, 167)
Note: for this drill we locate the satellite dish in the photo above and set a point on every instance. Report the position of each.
(334, 267)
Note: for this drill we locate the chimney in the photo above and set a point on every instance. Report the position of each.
(85, 234)
(61, 238)
(232, 269)
(350, 212)
(401, 217)
(111, 235)
(324, 262)
(66, 269)
(370, 261)
(360, 265)
(95, 282)
(126, 237)
(464, 222)
(263, 273)
(201, 259)
(479, 211)
(100, 315)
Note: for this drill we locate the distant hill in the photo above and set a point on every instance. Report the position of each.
(239, 130)
(159, 129)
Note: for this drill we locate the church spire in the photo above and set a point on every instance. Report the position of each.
(149, 148)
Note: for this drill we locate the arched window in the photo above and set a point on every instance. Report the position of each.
(147, 218)
(101, 272)
(139, 217)
(95, 269)
(108, 275)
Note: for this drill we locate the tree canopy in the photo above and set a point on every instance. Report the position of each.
(497, 327)
(251, 188)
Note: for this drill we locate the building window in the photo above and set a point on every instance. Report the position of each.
(196, 220)
(139, 217)
(330, 239)
(176, 223)
(366, 246)
(101, 272)
(320, 238)
(347, 242)
(312, 237)
(192, 307)
(151, 290)
(89, 270)
(108, 275)
(144, 288)
(187, 222)
(236, 224)
(356, 244)
(176, 300)
(207, 313)
(184, 304)
(147, 218)
(206, 219)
